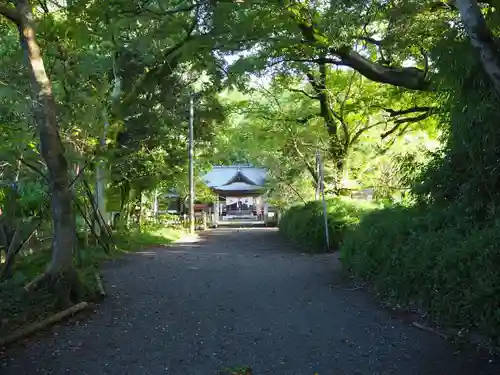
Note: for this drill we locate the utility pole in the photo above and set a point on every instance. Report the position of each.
(191, 164)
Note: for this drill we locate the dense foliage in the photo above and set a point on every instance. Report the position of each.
(440, 251)
(305, 224)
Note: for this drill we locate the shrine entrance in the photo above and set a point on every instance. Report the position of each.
(242, 207)
(240, 194)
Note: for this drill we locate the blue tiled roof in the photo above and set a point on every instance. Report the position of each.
(219, 176)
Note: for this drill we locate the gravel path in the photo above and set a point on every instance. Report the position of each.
(239, 297)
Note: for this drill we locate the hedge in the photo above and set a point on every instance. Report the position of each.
(304, 224)
(437, 258)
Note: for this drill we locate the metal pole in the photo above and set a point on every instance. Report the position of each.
(316, 193)
(191, 169)
(322, 187)
(217, 211)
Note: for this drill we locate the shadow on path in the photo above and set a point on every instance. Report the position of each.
(238, 297)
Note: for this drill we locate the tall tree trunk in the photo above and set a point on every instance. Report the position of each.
(481, 39)
(101, 170)
(61, 273)
(337, 148)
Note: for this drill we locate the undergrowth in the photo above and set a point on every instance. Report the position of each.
(19, 307)
(304, 224)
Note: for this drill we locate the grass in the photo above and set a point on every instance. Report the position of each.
(18, 307)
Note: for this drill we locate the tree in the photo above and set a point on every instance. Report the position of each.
(88, 66)
(281, 127)
(60, 272)
(481, 38)
(289, 34)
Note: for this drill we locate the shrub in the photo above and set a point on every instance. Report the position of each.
(304, 224)
(436, 257)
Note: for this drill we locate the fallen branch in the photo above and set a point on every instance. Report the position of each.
(35, 282)
(429, 329)
(100, 286)
(356, 287)
(32, 328)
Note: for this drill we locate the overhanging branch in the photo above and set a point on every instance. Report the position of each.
(407, 121)
(302, 120)
(143, 8)
(9, 12)
(450, 5)
(408, 77)
(165, 68)
(417, 109)
(315, 97)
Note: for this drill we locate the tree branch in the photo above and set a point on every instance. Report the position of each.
(34, 168)
(394, 113)
(303, 120)
(411, 77)
(9, 12)
(327, 60)
(406, 120)
(379, 43)
(360, 132)
(371, 40)
(423, 113)
(308, 165)
(293, 189)
(346, 96)
(450, 5)
(312, 81)
(482, 39)
(43, 5)
(345, 127)
(314, 97)
(166, 67)
(143, 8)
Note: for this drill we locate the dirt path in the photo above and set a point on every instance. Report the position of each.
(238, 297)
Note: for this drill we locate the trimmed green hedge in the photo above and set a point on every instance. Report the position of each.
(304, 224)
(437, 258)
